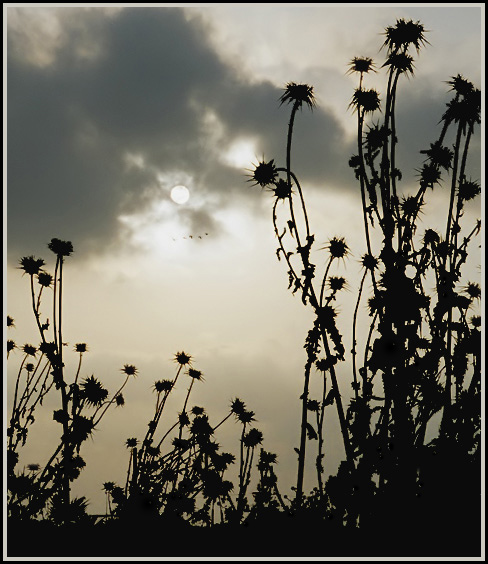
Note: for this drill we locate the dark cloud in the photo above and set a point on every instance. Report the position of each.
(142, 91)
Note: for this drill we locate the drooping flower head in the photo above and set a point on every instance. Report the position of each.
(195, 374)
(298, 94)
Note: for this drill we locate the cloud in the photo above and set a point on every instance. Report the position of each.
(104, 103)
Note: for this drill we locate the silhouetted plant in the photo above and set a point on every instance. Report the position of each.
(83, 404)
(187, 479)
(420, 345)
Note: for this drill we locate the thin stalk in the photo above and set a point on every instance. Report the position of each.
(354, 343)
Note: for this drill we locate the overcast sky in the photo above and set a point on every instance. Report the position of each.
(109, 108)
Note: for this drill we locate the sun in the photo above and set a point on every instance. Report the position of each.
(180, 194)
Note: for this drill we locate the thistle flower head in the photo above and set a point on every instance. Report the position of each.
(48, 348)
(119, 400)
(468, 190)
(163, 386)
(410, 205)
(282, 189)
(336, 283)
(369, 262)
(401, 62)
(253, 438)
(182, 358)
(361, 65)
(465, 111)
(439, 155)
(298, 94)
(337, 247)
(30, 265)
(460, 85)
(264, 173)
(11, 345)
(267, 457)
(367, 101)
(237, 406)
(403, 34)
(129, 370)
(376, 137)
(60, 248)
(476, 321)
(93, 391)
(45, 279)
(108, 487)
(29, 367)
(197, 410)
(10, 321)
(429, 175)
(313, 405)
(431, 237)
(29, 350)
(131, 443)
(195, 374)
(81, 348)
(246, 416)
(473, 290)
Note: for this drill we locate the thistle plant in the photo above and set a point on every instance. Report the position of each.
(421, 354)
(184, 477)
(324, 334)
(83, 402)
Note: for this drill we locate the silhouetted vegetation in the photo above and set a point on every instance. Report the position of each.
(410, 482)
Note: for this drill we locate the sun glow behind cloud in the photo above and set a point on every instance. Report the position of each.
(241, 153)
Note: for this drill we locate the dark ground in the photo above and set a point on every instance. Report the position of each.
(285, 536)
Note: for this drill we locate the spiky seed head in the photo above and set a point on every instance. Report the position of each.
(298, 94)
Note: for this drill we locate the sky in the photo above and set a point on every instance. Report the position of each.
(109, 107)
